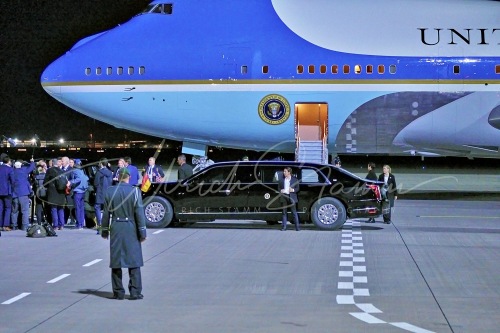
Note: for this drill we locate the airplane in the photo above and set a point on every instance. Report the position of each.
(397, 77)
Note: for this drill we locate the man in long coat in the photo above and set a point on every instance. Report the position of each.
(123, 221)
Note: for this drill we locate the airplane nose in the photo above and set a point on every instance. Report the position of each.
(52, 77)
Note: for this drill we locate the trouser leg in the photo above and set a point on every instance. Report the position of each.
(295, 217)
(24, 203)
(79, 209)
(98, 213)
(116, 282)
(14, 215)
(135, 281)
(283, 219)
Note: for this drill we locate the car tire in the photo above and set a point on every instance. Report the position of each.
(158, 212)
(328, 214)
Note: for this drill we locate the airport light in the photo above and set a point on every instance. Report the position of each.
(61, 140)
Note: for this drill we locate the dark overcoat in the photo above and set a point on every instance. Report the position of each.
(103, 179)
(124, 222)
(54, 196)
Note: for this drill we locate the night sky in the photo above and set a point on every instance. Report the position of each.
(33, 33)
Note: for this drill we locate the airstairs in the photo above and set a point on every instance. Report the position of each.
(314, 151)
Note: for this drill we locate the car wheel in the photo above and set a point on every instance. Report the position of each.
(328, 214)
(158, 211)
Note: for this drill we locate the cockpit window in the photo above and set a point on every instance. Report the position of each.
(162, 8)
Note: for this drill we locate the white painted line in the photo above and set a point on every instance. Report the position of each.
(367, 318)
(346, 263)
(158, 231)
(346, 273)
(346, 255)
(410, 328)
(345, 299)
(360, 279)
(361, 292)
(347, 241)
(346, 247)
(357, 238)
(92, 262)
(359, 268)
(368, 308)
(345, 285)
(358, 259)
(358, 251)
(357, 244)
(17, 298)
(356, 232)
(60, 277)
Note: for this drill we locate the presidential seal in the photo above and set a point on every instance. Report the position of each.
(274, 109)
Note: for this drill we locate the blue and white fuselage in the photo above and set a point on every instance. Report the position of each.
(391, 76)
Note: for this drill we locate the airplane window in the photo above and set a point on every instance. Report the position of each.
(244, 69)
(109, 71)
(300, 69)
(335, 69)
(357, 69)
(265, 69)
(130, 70)
(369, 69)
(88, 71)
(322, 69)
(119, 70)
(456, 69)
(497, 69)
(98, 70)
(347, 69)
(381, 69)
(142, 70)
(392, 69)
(311, 69)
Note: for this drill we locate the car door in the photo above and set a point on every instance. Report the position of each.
(263, 194)
(211, 194)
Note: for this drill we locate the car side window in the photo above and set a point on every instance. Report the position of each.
(271, 174)
(248, 174)
(216, 175)
(309, 176)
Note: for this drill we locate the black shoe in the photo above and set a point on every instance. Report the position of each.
(371, 220)
(387, 222)
(117, 297)
(136, 297)
(283, 229)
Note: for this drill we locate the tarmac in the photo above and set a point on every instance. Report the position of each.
(434, 269)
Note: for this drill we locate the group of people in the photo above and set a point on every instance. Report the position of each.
(389, 189)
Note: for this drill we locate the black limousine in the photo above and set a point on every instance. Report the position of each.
(248, 190)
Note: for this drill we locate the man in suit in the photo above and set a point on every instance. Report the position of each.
(154, 172)
(288, 186)
(371, 176)
(135, 178)
(102, 180)
(6, 186)
(21, 193)
(123, 221)
(185, 170)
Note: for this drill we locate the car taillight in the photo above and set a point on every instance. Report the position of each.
(376, 189)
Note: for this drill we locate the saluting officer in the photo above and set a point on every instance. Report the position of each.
(124, 222)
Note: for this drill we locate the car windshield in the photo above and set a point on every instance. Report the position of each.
(162, 8)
